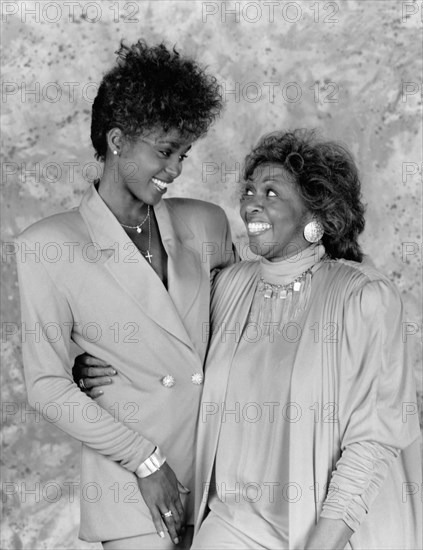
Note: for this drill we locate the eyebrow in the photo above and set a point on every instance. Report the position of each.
(173, 144)
(270, 179)
(248, 183)
(265, 180)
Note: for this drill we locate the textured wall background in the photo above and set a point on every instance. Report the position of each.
(348, 68)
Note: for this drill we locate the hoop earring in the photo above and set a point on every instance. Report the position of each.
(313, 231)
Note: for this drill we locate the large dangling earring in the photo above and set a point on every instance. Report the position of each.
(313, 231)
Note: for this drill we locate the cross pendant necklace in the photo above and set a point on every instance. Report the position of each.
(148, 255)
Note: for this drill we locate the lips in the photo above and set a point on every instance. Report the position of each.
(160, 185)
(256, 228)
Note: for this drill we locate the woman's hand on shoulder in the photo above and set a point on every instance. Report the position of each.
(90, 373)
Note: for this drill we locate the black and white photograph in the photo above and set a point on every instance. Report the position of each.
(211, 283)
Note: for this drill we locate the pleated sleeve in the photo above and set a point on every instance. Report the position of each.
(376, 393)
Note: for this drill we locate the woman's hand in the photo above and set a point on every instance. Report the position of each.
(93, 372)
(161, 492)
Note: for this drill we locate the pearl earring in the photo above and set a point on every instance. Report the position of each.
(115, 152)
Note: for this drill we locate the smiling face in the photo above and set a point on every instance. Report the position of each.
(149, 164)
(274, 213)
(141, 170)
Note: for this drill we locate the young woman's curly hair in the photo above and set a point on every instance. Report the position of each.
(153, 87)
(327, 180)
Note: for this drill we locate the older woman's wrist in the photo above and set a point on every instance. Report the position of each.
(151, 465)
(329, 534)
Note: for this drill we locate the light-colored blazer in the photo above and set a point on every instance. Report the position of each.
(82, 279)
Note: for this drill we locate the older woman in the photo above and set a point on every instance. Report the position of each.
(132, 287)
(304, 440)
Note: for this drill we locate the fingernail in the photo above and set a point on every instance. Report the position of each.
(176, 540)
(113, 371)
(161, 535)
(109, 380)
(100, 392)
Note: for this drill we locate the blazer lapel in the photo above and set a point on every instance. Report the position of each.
(129, 268)
(185, 275)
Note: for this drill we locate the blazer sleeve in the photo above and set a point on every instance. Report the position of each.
(48, 366)
(226, 252)
(376, 388)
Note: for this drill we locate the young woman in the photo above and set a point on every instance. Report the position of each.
(132, 287)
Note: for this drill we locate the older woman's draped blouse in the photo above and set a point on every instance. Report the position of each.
(308, 420)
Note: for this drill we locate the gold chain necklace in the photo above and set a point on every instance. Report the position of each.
(139, 226)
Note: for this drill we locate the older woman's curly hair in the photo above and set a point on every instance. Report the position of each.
(327, 180)
(153, 87)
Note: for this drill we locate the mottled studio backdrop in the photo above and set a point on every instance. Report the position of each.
(349, 68)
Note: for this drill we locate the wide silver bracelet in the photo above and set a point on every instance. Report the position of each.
(151, 465)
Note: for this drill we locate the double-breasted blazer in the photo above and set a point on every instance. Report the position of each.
(83, 280)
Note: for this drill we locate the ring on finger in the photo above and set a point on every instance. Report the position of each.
(168, 514)
(82, 384)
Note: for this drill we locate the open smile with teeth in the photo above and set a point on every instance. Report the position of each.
(255, 228)
(161, 185)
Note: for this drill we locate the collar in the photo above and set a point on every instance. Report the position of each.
(105, 229)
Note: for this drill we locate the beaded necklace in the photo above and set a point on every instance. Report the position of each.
(274, 305)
